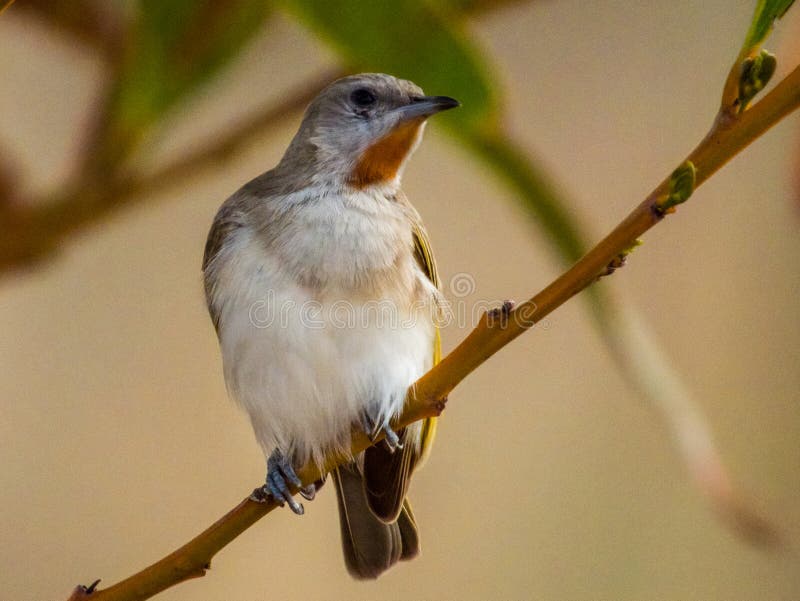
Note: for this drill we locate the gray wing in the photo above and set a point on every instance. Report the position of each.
(248, 205)
(228, 220)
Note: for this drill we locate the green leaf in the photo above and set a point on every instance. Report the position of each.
(764, 17)
(174, 48)
(754, 76)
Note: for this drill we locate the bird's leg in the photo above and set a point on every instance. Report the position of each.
(280, 476)
(373, 429)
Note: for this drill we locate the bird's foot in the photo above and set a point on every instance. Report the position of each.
(374, 430)
(280, 476)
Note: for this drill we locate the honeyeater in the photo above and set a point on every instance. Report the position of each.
(323, 290)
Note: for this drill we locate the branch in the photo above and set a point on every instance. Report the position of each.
(37, 229)
(31, 238)
(729, 134)
(96, 25)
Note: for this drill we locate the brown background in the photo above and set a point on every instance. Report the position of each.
(550, 478)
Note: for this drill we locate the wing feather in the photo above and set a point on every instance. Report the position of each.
(387, 474)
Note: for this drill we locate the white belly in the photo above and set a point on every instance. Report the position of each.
(307, 363)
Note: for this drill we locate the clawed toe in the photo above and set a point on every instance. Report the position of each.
(280, 476)
(308, 492)
(373, 430)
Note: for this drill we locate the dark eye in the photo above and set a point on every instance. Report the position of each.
(362, 97)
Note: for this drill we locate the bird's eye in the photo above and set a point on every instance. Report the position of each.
(362, 97)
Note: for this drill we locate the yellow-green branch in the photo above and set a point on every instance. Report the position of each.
(729, 134)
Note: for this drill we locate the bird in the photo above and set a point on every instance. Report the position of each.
(322, 287)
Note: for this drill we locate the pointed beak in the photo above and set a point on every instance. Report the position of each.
(425, 106)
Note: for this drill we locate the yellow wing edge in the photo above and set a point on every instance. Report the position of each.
(428, 263)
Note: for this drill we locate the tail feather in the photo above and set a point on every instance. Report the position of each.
(408, 532)
(387, 474)
(370, 545)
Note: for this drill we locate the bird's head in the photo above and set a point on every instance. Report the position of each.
(360, 130)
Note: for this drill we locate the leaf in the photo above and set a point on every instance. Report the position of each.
(764, 17)
(174, 48)
(754, 75)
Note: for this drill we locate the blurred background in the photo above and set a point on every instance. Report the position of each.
(552, 476)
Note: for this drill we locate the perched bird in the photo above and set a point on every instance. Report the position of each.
(323, 291)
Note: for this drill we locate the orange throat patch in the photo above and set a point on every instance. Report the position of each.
(379, 163)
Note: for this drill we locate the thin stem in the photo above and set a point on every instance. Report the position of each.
(735, 133)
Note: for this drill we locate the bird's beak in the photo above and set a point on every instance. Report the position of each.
(425, 106)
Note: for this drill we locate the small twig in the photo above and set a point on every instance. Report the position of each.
(4, 4)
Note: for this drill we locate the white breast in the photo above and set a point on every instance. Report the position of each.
(331, 319)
